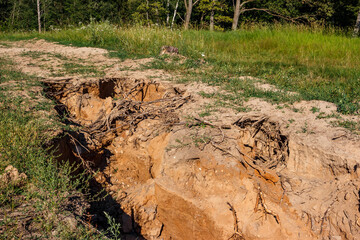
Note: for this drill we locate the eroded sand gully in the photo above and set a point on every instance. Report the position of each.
(178, 175)
(225, 176)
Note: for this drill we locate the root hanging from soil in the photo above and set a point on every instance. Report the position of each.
(130, 113)
(262, 141)
(131, 103)
(260, 200)
(237, 235)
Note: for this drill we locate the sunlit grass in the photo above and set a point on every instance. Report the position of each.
(316, 62)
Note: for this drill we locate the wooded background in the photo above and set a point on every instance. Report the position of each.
(200, 14)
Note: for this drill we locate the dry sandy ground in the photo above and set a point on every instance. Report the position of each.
(275, 172)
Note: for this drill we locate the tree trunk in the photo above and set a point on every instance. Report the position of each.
(212, 20)
(45, 4)
(173, 20)
(188, 7)
(357, 26)
(13, 14)
(236, 15)
(39, 14)
(44, 17)
(168, 12)
(147, 12)
(202, 21)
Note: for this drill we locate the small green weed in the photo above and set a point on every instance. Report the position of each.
(200, 140)
(305, 128)
(179, 144)
(208, 109)
(85, 70)
(315, 109)
(59, 56)
(296, 109)
(353, 126)
(323, 115)
(2, 44)
(114, 227)
(32, 54)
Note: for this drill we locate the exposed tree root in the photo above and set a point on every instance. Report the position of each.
(237, 235)
(260, 200)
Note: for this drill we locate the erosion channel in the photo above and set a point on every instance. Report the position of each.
(173, 175)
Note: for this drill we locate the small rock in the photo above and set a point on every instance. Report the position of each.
(71, 222)
(12, 176)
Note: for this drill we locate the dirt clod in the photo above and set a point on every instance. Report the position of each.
(12, 176)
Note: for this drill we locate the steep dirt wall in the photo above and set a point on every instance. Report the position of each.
(181, 177)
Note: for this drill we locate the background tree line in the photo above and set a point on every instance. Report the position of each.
(212, 14)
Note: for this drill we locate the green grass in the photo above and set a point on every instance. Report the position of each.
(7, 74)
(353, 126)
(41, 199)
(85, 70)
(32, 54)
(317, 64)
(37, 55)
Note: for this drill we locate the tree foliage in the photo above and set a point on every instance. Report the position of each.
(22, 14)
(219, 9)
